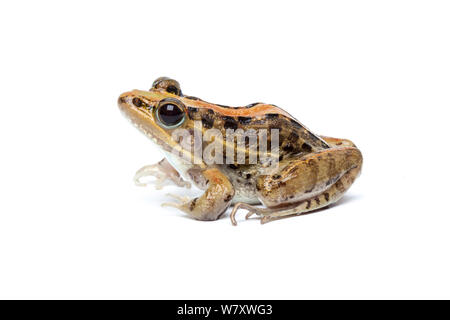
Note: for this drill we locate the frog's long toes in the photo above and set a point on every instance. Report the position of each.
(185, 184)
(138, 183)
(181, 204)
(233, 215)
(251, 211)
(171, 204)
(249, 214)
(179, 198)
(147, 171)
(238, 206)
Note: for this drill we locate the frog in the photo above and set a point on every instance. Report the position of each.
(311, 171)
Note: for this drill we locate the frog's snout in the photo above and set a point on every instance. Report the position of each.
(124, 99)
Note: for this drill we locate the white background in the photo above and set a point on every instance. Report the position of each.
(72, 223)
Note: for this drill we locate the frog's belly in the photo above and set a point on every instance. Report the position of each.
(180, 165)
(240, 196)
(244, 189)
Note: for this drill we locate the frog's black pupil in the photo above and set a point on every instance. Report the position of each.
(137, 102)
(170, 114)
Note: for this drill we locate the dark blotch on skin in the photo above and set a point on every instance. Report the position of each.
(192, 205)
(272, 115)
(228, 198)
(192, 111)
(308, 204)
(230, 123)
(207, 121)
(317, 200)
(293, 137)
(288, 148)
(327, 196)
(248, 176)
(306, 147)
(244, 120)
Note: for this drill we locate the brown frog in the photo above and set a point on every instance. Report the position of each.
(291, 172)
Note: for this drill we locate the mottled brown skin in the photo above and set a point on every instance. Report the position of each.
(313, 171)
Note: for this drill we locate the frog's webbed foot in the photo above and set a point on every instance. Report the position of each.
(164, 173)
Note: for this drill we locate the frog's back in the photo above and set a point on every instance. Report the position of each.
(294, 138)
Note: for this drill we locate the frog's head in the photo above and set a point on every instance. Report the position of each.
(157, 112)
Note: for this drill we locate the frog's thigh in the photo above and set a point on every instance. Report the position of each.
(214, 201)
(317, 178)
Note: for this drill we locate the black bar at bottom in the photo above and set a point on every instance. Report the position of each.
(222, 309)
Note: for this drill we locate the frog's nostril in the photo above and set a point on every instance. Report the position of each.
(121, 100)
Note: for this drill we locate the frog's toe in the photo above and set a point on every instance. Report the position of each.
(242, 205)
(181, 204)
(179, 198)
(249, 214)
(162, 175)
(184, 184)
(147, 171)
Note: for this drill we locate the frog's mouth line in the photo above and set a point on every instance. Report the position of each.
(150, 134)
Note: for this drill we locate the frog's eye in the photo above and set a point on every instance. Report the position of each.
(170, 113)
(170, 85)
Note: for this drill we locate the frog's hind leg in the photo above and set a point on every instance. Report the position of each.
(310, 183)
(164, 174)
(331, 195)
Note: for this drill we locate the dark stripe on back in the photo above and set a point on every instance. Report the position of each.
(244, 120)
(207, 121)
(230, 123)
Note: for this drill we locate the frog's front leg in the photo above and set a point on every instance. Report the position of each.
(309, 183)
(163, 172)
(213, 202)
